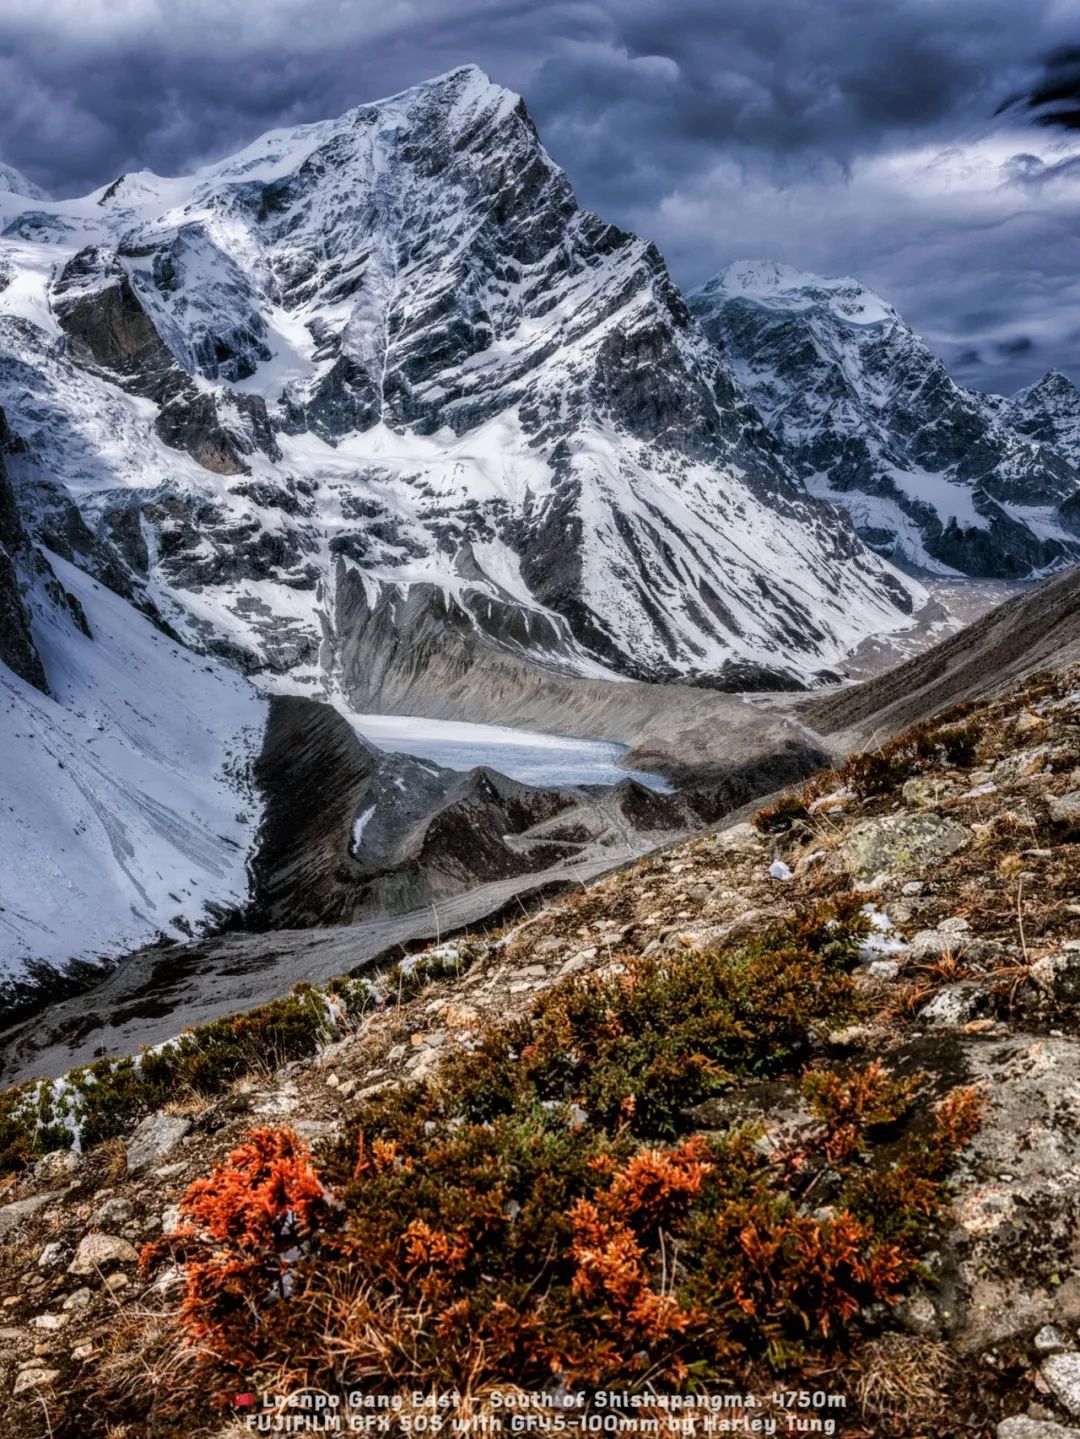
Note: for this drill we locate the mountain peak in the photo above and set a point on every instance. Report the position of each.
(785, 287)
(1054, 384)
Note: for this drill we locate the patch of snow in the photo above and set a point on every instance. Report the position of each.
(882, 940)
(360, 823)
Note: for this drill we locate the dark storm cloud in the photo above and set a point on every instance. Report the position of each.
(842, 135)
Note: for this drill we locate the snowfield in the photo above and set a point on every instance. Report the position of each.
(125, 808)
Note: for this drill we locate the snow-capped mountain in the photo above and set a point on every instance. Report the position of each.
(384, 367)
(931, 474)
(1047, 412)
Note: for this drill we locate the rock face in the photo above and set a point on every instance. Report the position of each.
(932, 474)
(17, 648)
(392, 368)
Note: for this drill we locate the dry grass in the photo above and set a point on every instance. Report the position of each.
(908, 1379)
(188, 1106)
(112, 1158)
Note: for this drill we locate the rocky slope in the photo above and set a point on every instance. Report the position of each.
(937, 476)
(958, 842)
(384, 370)
(1039, 628)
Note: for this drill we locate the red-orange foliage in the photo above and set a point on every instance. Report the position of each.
(245, 1241)
(820, 1272)
(649, 1197)
(854, 1103)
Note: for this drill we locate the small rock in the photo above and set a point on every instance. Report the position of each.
(899, 842)
(57, 1164)
(1029, 722)
(116, 1281)
(953, 1005)
(955, 925)
(913, 887)
(12, 1215)
(918, 1314)
(48, 1321)
(1049, 1340)
(1065, 809)
(779, 870)
(1059, 975)
(170, 1219)
(929, 944)
(460, 1016)
(1022, 1427)
(115, 1212)
(550, 944)
(82, 1351)
(171, 1171)
(96, 1250)
(883, 969)
(36, 1378)
(155, 1137)
(1062, 1373)
(52, 1256)
(77, 1300)
(577, 961)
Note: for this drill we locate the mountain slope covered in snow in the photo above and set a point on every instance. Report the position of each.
(383, 370)
(126, 809)
(932, 474)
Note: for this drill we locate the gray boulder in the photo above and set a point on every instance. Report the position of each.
(1022, 1427)
(1062, 1373)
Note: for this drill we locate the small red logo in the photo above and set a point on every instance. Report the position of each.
(245, 1401)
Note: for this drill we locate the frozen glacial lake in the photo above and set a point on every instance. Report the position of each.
(533, 758)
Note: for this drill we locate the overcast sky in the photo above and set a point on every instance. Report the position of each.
(857, 136)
